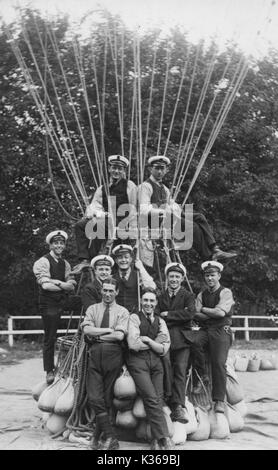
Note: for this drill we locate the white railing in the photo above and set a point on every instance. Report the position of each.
(11, 332)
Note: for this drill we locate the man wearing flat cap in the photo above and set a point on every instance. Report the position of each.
(177, 307)
(154, 200)
(112, 206)
(53, 277)
(127, 274)
(102, 267)
(214, 307)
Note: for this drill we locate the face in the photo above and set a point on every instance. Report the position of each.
(57, 246)
(108, 293)
(116, 171)
(149, 303)
(124, 261)
(174, 279)
(159, 171)
(212, 279)
(102, 272)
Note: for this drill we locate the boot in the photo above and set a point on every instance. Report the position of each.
(218, 254)
(109, 441)
(219, 406)
(179, 414)
(166, 443)
(95, 441)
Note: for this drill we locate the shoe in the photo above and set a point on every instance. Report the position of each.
(219, 407)
(50, 377)
(180, 414)
(218, 254)
(154, 445)
(110, 443)
(79, 267)
(166, 443)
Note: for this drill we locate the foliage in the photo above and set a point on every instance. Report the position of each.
(237, 188)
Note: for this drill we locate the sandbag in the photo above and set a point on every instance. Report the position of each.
(219, 426)
(192, 424)
(143, 430)
(203, 426)
(38, 389)
(179, 436)
(235, 420)
(50, 395)
(125, 386)
(126, 419)
(123, 404)
(65, 401)
(266, 364)
(274, 361)
(138, 408)
(241, 407)
(56, 424)
(241, 363)
(234, 391)
(254, 364)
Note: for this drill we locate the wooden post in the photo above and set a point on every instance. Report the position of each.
(246, 332)
(10, 328)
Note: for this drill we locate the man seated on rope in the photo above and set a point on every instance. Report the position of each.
(105, 326)
(148, 340)
(53, 277)
(154, 199)
(214, 306)
(110, 207)
(177, 307)
(102, 268)
(128, 271)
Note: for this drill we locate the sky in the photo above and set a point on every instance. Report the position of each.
(253, 23)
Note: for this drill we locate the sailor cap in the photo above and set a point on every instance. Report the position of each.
(159, 159)
(54, 234)
(118, 159)
(102, 260)
(212, 266)
(175, 267)
(119, 249)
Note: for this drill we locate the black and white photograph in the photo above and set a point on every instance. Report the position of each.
(139, 227)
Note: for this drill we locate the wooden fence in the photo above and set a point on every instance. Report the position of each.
(11, 332)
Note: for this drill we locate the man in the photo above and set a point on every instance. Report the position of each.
(214, 307)
(105, 325)
(177, 308)
(53, 277)
(102, 267)
(112, 206)
(127, 276)
(155, 199)
(148, 340)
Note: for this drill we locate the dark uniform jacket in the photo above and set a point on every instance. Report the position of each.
(181, 310)
(91, 294)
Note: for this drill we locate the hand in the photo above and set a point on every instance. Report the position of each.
(99, 214)
(72, 281)
(145, 339)
(164, 314)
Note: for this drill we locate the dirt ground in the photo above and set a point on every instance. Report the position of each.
(21, 425)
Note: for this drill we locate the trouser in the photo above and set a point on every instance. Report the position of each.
(86, 249)
(203, 239)
(147, 371)
(217, 341)
(104, 367)
(179, 361)
(50, 317)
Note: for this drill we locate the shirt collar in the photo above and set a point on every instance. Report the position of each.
(172, 292)
(126, 274)
(151, 317)
(156, 182)
(110, 305)
(55, 257)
